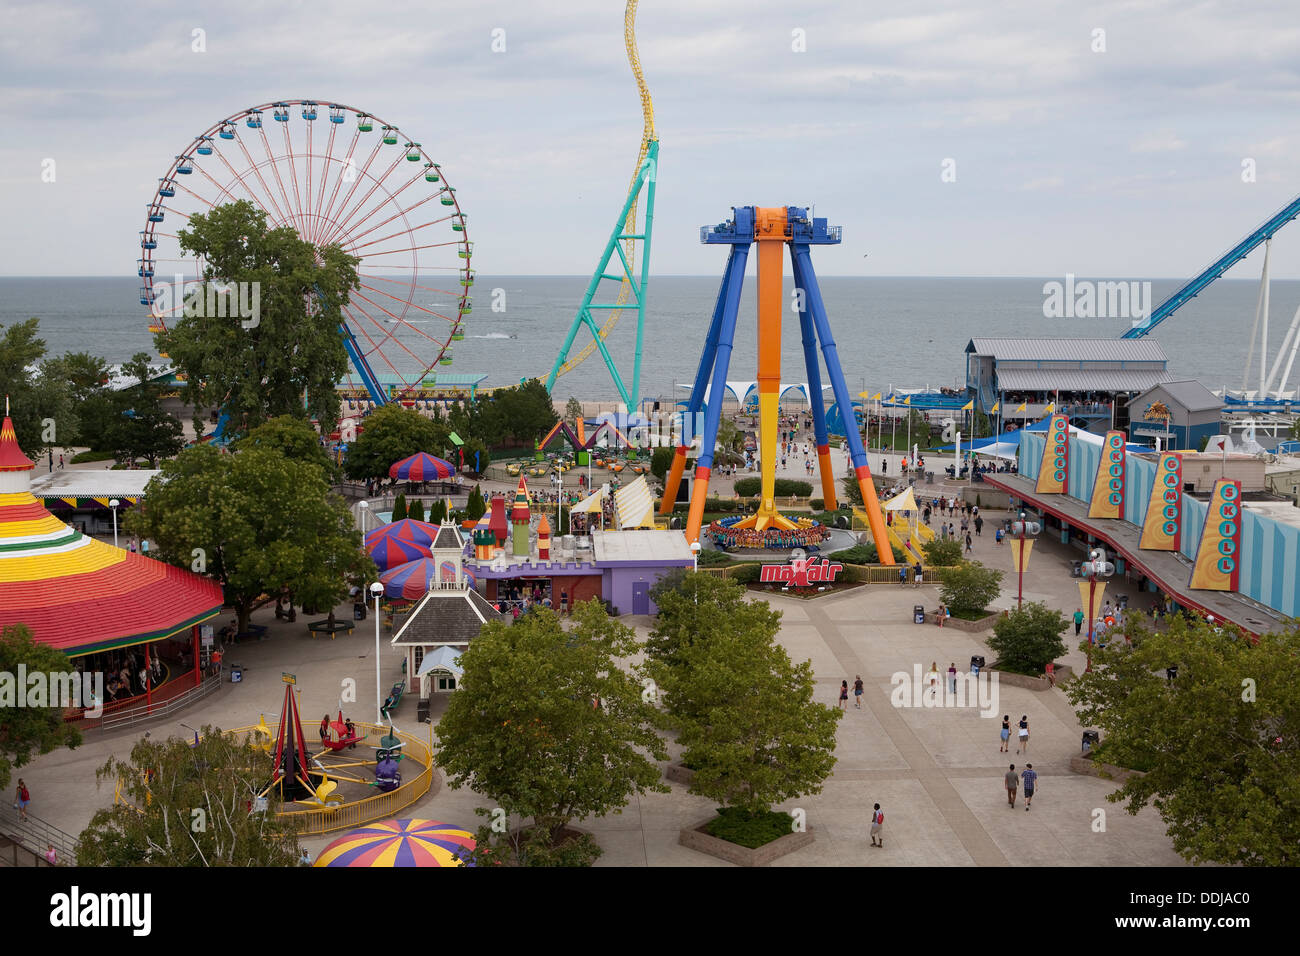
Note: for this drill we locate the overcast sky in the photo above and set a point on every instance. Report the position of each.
(1126, 162)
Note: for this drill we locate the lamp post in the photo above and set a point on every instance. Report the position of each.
(1023, 529)
(695, 567)
(364, 506)
(377, 590)
(557, 482)
(1096, 566)
(114, 504)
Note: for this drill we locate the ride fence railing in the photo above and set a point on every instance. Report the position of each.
(141, 712)
(381, 806)
(855, 573)
(35, 836)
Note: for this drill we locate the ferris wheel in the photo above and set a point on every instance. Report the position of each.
(358, 183)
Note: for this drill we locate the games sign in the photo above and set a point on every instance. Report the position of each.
(1162, 529)
(1054, 470)
(800, 572)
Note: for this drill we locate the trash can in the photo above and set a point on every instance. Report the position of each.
(1090, 740)
(918, 613)
(1123, 602)
(236, 673)
(976, 662)
(1076, 569)
(422, 711)
(358, 612)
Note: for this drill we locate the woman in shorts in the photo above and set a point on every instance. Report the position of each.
(1023, 743)
(1006, 732)
(844, 695)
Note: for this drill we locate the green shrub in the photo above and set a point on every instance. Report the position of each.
(784, 487)
(970, 587)
(942, 552)
(92, 456)
(713, 558)
(745, 573)
(737, 825)
(816, 504)
(399, 507)
(1028, 638)
(866, 553)
(416, 511)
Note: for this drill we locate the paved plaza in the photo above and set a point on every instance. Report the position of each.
(937, 773)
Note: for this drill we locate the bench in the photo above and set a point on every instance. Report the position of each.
(254, 631)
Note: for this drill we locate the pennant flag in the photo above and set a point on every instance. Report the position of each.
(876, 397)
(1022, 407)
(1054, 469)
(1051, 408)
(1217, 559)
(1162, 529)
(969, 406)
(1108, 486)
(994, 409)
(1098, 593)
(1016, 552)
(908, 400)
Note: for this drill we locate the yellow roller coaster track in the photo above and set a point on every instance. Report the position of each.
(647, 135)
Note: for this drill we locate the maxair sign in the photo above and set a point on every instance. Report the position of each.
(800, 572)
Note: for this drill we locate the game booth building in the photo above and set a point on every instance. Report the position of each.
(510, 560)
(131, 618)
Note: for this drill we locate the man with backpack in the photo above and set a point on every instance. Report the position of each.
(877, 823)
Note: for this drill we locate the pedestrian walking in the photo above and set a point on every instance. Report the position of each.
(1029, 777)
(979, 524)
(844, 695)
(934, 679)
(902, 575)
(1012, 780)
(51, 857)
(968, 542)
(1078, 620)
(916, 569)
(997, 537)
(1023, 742)
(857, 692)
(952, 677)
(877, 826)
(23, 797)
(1006, 733)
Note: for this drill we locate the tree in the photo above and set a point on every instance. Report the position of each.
(41, 405)
(970, 587)
(85, 377)
(392, 433)
(260, 366)
(522, 729)
(942, 552)
(661, 459)
(399, 508)
(572, 412)
(475, 506)
(256, 521)
(416, 511)
(745, 714)
(517, 415)
(293, 437)
(852, 491)
(690, 605)
(437, 511)
(731, 443)
(981, 427)
(1219, 744)
(139, 428)
(189, 804)
(477, 456)
(26, 731)
(1029, 638)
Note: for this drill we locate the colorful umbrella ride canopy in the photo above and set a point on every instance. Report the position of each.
(416, 532)
(410, 580)
(399, 843)
(421, 467)
(391, 552)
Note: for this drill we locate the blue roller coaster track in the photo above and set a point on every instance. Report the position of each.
(1221, 265)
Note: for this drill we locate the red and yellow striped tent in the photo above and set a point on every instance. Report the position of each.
(78, 594)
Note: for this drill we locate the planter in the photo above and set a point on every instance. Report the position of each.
(1064, 673)
(1091, 768)
(680, 773)
(970, 627)
(695, 838)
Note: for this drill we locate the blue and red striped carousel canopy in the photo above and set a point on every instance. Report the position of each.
(421, 467)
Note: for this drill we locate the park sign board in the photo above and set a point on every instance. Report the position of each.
(800, 573)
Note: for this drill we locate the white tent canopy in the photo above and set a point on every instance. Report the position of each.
(635, 505)
(591, 503)
(904, 501)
